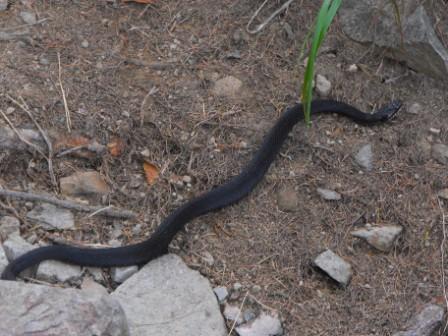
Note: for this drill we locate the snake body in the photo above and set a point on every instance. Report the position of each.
(228, 193)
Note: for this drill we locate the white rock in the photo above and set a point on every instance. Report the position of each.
(336, 267)
(352, 68)
(263, 325)
(52, 270)
(364, 157)
(51, 217)
(28, 309)
(120, 274)
(382, 237)
(233, 313)
(443, 193)
(166, 298)
(323, 86)
(329, 195)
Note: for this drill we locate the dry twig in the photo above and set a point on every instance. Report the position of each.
(104, 211)
(67, 111)
(442, 261)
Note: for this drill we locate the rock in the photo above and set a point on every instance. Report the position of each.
(415, 108)
(352, 68)
(221, 294)
(329, 195)
(3, 5)
(51, 217)
(443, 193)
(416, 42)
(9, 139)
(425, 323)
(52, 270)
(84, 184)
(439, 153)
(263, 325)
(228, 86)
(28, 309)
(336, 267)
(120, 274)
(14, 247)
(8, 225)
(287, 199)
(85, 44)
(92, 287)
(208, 258)
(323, 86)
(382, 238)
(233, 313)
(28, 17)
(237, 286)
(249, 315)
(3, 259)
(364, 157)
(166, 298)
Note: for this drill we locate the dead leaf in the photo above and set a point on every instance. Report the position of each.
(115, 147)
(151, 172)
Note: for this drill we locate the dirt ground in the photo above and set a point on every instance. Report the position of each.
(144, 75)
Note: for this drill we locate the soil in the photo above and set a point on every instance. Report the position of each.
(145, 74)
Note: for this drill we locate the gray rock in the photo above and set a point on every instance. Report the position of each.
(3, 259)
(263, 325)
(221, 294)
(425, 323)
(443, 193)
(9, 139)
(28, 309)
(50, 217)
(120, 274)
(228, 86)
(85, 44)
(416, 43)
(14, 247)
(415, 108)
(166, 298)
(233, 313)
(323, 86)
(439, 153)
(336, 267)
(9, 225)
(329, 195)
(287, 199)
(382, 237)
(364, 157)
(3, 5)
(89, 285)
(249, 315)
(58, 271)
(28, 17)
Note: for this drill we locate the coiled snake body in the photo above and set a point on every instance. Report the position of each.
(230, 192)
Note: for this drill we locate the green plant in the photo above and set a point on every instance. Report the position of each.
(324, 18)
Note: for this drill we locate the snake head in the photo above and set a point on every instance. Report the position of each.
(387, 112)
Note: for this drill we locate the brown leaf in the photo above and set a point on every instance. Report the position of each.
(151, 172)
(115, 147)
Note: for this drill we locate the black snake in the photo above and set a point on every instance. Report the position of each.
(228, 193)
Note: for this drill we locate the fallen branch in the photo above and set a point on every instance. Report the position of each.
(98, 210)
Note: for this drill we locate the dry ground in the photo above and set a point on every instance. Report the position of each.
(253, 242)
